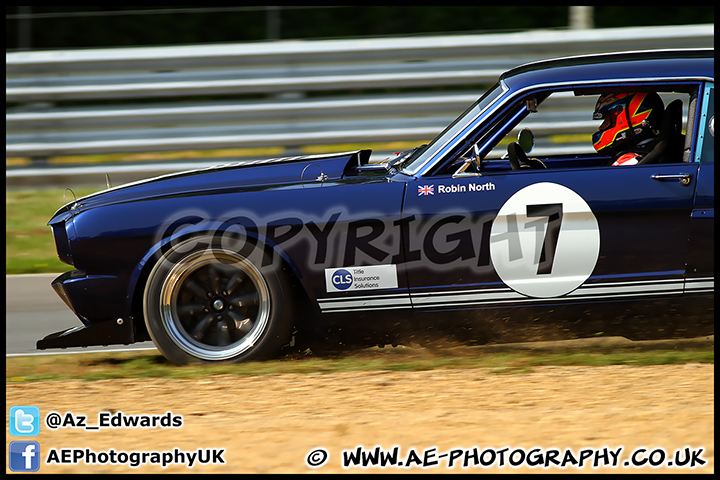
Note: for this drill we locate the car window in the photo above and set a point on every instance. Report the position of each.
(562, 124)
(562, 127)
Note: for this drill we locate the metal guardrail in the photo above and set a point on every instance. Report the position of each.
(295, 89)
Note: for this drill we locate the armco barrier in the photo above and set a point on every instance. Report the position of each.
(285, 93)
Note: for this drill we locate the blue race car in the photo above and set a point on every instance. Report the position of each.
(227, 263)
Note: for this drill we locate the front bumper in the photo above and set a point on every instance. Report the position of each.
(93, 298)
(118, 332)
(99, 302)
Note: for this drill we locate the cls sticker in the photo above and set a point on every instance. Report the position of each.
(545, 241)
(361, 278)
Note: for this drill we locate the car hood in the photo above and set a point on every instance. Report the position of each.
(287, 172)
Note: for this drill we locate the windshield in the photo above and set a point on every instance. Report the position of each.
(421, 156)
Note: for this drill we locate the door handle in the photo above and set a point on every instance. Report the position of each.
(684, 178)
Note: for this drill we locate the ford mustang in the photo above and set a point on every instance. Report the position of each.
(227, 263)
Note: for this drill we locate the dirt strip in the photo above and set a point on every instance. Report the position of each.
(271, 423)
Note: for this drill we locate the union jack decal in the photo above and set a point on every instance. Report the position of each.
(426, 190)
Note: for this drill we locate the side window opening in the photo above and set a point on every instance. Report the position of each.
(562, 127)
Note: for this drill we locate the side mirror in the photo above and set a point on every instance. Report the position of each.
(712, 126)
(526, 140)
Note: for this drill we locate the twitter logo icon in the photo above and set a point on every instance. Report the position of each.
(24, 421)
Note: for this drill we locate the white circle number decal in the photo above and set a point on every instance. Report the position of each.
(545, 241)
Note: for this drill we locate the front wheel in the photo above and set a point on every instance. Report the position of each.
(203, 302)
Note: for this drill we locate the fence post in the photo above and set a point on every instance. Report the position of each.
(581, 18)
(272, 22)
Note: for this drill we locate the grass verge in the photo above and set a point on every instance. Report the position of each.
(148, 364)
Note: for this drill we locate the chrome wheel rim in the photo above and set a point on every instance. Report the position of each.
(215, 305)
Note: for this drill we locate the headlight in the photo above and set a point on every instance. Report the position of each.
(60, 225)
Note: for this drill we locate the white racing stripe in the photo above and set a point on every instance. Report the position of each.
(700, 285)
(374, 302)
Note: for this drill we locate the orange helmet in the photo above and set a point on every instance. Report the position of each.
(620, 111)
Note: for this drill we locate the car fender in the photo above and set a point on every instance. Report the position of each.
(141, 271)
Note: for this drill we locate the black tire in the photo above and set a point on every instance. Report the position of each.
(208, 303)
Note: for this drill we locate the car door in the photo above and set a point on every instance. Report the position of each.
(515, 237)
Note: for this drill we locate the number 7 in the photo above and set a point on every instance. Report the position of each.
(554, 212)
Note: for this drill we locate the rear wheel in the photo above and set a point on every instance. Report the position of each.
(206, 303)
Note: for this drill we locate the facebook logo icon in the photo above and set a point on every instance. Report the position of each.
(24, 421)
(24, 456)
